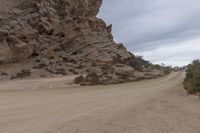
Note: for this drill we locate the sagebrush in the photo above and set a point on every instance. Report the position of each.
(192, 80)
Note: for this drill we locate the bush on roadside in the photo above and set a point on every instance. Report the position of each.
(192, 80)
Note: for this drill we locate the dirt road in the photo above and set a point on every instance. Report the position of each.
(50, 106)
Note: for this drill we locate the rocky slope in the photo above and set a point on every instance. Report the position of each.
(61, 37)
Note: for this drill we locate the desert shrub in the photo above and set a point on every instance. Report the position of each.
(192, 80)
(137, 62)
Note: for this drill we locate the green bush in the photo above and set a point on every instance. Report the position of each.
(192, 80)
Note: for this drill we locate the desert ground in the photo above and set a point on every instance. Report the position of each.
(53, 106)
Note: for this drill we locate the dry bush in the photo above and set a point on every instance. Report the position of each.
(192, 80)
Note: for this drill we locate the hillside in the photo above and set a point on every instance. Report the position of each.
(45, 38)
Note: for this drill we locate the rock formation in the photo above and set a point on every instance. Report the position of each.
(61, 37)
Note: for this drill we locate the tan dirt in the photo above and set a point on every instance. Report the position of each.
(51, 106)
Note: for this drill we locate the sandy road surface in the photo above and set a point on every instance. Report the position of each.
(49, 106)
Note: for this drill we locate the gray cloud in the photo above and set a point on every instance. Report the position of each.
(146, 25)
(180, 53)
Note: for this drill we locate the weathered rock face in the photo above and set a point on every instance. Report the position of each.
(70, 24)
(5, 53)
(60, 35)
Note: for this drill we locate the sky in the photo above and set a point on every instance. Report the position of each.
(162, 31)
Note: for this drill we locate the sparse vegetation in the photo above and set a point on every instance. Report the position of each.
(22, 74)
(192, 80)
(3, 74)
(137, 62)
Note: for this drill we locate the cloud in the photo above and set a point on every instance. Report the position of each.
(144, 25)
(177, 54)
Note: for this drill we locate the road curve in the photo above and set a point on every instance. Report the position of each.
(50, 106)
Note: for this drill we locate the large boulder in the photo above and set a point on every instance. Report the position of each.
(19, 47)
(5, 53)
(124, 70)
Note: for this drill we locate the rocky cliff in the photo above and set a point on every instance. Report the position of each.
(60, 37)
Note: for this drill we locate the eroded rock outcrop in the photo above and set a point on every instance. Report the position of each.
(5, 53)
(62, 35)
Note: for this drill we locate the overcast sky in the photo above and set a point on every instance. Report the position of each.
(163, 31)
